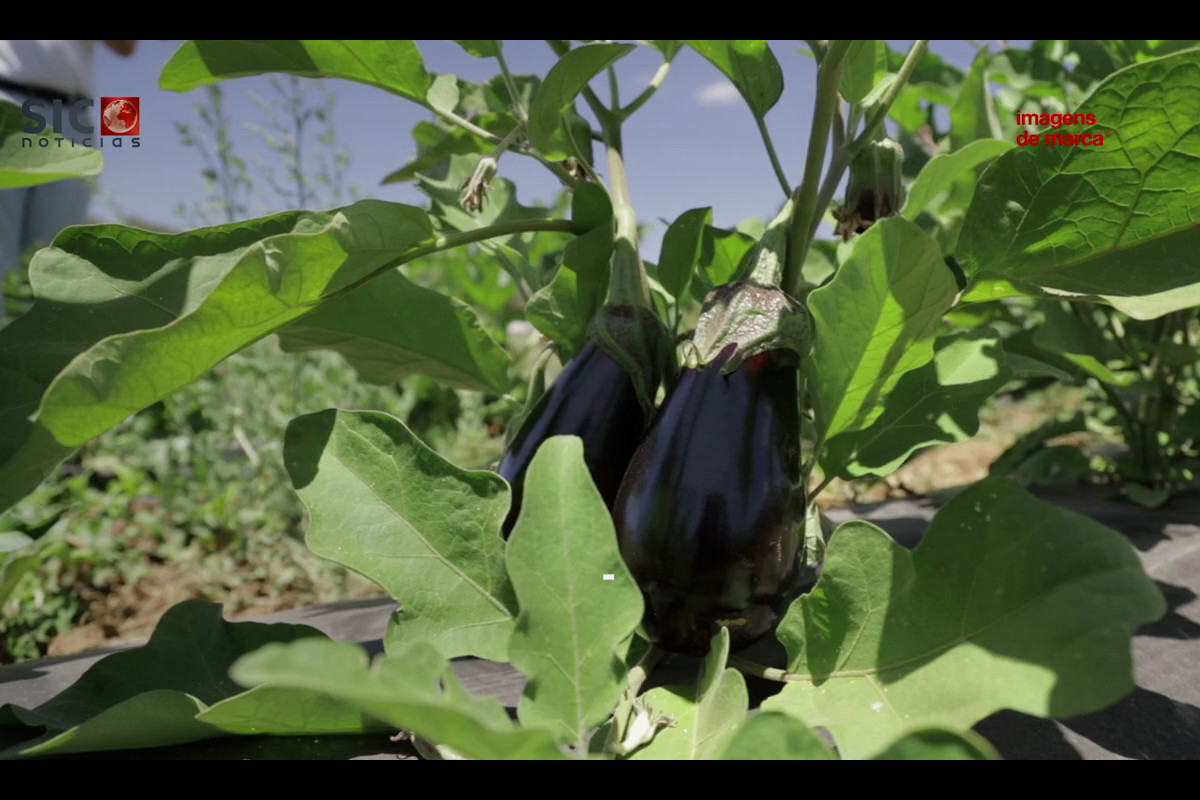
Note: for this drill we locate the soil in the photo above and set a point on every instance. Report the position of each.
(131, 612)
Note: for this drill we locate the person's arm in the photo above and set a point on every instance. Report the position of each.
(122, 47)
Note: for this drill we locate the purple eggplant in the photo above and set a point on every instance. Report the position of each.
(709, 516)
(592, 398)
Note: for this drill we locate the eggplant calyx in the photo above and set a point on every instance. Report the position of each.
(635, 338)
(753, 319)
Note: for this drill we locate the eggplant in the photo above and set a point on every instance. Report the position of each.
(709, 516)
(592, 398)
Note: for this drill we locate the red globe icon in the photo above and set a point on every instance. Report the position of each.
(120, 116)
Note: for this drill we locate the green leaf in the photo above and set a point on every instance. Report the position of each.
(722, 254)
(1066, 335)
(561, 86)
(157, 718)
(1008, 602)
(874, 322)
(936, 403)
(939, 744)
(706, 716)
(124, 317)
(287, 711)
(564, 307)
(149, 696)
(772, 736)
(435, 145)
(500, 206)
(681, 249)
(973, 115)
(1008, 463)
(394, 65)
(393, 328)
(413, 690)
(750, 64)
(388, 507)
(1117, 221)
(668, 47)
(578, 602)
(22, 166)
(943, 170)
(864, 66)
(480, 48)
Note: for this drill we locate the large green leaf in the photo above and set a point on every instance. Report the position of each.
(125, 316)
(943, 170)
(722, 253)
(579, 604)
(150, 696)
(706, 716)
(875, 321)
(393, 328)
(22, 166)
(389, 507)
(936, 403)
(1008, 602)
(750, 64)
(413, 689)
(1118, 221)
(394, 65)
(561, 86)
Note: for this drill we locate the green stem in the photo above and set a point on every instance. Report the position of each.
(518, 109)
(465, 124)
(844, 155)
(829, 76)
(648, 92)
(780, 175)
(880, 112)
(634, 681)
(456, 239)
(614, 92)
(759, 671)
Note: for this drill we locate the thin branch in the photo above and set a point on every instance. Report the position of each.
(775, 165)
(648, 92)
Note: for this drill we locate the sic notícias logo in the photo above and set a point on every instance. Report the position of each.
(71, 123)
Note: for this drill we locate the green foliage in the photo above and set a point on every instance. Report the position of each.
(1009, 267)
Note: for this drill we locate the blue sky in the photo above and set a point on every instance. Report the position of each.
(694, 144)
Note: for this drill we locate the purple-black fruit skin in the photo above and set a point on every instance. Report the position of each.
(592, 398)
(706, 516)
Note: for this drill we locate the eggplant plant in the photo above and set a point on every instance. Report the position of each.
(659, 497)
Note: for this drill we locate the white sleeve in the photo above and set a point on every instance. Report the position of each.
(64, 65)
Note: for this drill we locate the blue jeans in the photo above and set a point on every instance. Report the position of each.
(37, 214)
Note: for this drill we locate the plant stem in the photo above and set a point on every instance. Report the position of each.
(829, 76)
(518, 109)
(780, 175)
(843, 155)
(456, 239)
(465, 124)
(648, 92)
(634, 680)
(880, 112)
(759, 671)
(614, 92)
